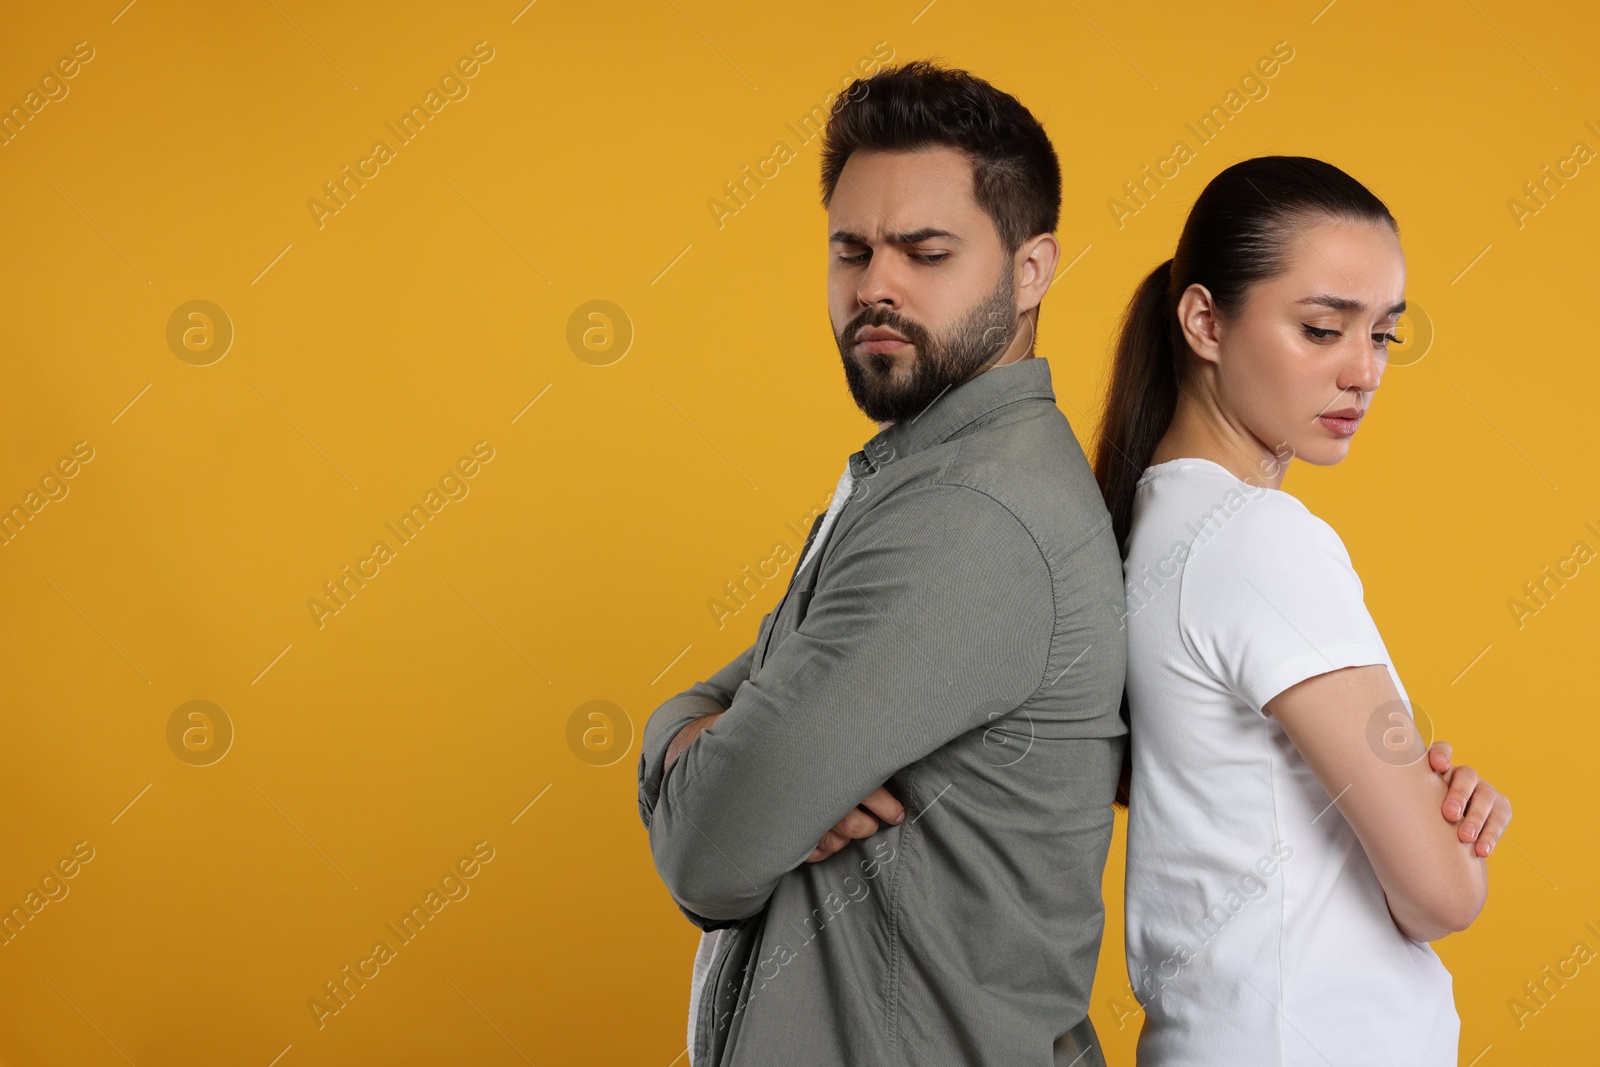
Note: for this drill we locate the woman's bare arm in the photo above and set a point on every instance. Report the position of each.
(1434, 881)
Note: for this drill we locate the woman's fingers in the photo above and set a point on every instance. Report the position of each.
(1439, 756)
(1463, 780)
(1484, 800)
(1493, 826)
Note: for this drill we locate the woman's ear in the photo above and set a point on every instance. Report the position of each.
(1197, 317)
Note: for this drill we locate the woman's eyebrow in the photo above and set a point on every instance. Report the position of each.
(1345, 303)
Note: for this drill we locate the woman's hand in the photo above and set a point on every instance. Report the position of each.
(1482, 810)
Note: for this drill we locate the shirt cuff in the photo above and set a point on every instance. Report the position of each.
(663, 726)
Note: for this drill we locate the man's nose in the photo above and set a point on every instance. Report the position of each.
(880, 284)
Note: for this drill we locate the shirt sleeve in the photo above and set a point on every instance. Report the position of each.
(935, 605)
(1272, 599)
(702, 698)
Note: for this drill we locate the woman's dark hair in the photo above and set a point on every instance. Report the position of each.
(1239, 232)
(1016, 177)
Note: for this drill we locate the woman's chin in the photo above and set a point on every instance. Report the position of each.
(1325, 452)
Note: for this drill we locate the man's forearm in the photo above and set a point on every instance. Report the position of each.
(824, 723)
(703, 698)
(685, 737)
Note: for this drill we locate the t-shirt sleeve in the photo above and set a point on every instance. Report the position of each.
(1271, 599)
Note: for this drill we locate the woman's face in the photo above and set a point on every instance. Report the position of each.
(1298, 366)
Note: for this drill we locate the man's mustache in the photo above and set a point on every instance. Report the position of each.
(913, 333)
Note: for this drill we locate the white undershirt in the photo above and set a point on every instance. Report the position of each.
(711, 938)
(1256, 930)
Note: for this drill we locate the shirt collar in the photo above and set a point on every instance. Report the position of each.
(954, 411)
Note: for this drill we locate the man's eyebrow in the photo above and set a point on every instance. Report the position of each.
(927, 233)
(1345, 303)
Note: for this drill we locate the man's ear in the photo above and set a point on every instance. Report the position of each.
(1034, 269)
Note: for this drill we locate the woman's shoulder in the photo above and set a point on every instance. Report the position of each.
(1209, 506)
(1272, 540)
(1270, 598)
(1258, 518)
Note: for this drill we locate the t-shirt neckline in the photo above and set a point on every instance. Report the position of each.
(1156, 470)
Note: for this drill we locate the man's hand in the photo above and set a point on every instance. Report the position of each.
(1482, 811)
(880, 804)
(683, 737)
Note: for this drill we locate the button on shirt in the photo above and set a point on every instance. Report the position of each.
(956, 636)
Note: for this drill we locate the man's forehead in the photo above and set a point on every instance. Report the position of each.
(887, 195)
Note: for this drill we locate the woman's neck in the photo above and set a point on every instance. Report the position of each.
(1205, 434)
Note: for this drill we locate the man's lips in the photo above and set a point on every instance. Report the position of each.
(876, 339)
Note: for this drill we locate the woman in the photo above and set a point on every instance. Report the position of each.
(1287, 863)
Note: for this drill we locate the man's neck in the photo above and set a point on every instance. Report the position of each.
(882, 426)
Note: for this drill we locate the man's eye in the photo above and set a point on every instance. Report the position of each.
(925, 257)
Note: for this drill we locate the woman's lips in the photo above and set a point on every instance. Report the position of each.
(1342, 427)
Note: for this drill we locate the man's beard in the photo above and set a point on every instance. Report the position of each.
(939, 364)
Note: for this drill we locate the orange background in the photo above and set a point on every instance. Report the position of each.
(638, 467)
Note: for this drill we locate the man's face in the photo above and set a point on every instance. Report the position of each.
(912, 255)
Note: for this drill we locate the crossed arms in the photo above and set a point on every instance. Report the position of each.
(937, 609)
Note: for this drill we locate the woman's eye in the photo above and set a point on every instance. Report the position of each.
(1319, 334)
(1385, 339)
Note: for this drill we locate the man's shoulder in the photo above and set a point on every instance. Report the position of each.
(1034, 467)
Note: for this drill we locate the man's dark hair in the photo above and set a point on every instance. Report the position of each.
(1016, 177)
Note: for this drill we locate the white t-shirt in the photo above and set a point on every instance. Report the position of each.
(709, 940)
(1257, 932)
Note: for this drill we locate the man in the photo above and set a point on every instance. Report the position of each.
(950, 642)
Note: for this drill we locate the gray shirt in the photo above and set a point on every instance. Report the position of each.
(958, 638)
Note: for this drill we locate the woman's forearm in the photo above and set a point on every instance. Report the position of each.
(1434, 882)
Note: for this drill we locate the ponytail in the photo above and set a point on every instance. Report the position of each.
(1142, 398)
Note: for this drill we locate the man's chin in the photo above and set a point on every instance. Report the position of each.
(885, 386)
(893, 406)
(886, 366)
